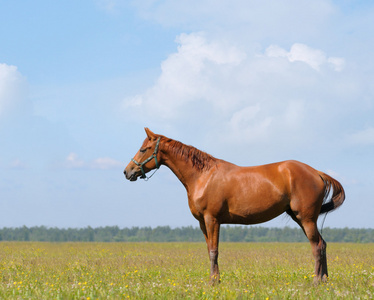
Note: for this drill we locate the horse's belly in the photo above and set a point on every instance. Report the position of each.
(253, 211)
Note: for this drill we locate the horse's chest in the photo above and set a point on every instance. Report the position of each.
(197, 207)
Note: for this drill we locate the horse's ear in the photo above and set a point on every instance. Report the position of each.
(149, 133)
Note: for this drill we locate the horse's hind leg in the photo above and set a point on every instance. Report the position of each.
(318, 249)
(318, 246)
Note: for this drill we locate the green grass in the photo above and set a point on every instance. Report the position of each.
(181, 271)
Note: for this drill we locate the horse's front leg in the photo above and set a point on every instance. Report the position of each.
(211, 232)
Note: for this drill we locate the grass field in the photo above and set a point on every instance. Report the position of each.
(180, 271)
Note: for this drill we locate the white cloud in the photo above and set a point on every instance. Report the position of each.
(102, 163)
(275, 51)
(313, 57)
(211, 83)
(13, 89)
(338, 63)
(302, 53)
(105, 163)
(247, 122)
(189, 75)
(73, 162)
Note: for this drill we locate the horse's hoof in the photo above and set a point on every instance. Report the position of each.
(323, 279)
(214, 280)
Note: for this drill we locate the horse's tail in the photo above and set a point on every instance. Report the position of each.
(338, 194)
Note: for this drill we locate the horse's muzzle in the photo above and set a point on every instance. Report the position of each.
(130, 175)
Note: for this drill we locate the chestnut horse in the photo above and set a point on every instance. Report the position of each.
(220, 192)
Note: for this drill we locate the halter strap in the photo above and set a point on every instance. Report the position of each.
(153, 156)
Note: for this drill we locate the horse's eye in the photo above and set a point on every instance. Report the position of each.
(143, 150)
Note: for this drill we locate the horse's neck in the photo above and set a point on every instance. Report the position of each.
(181, 168)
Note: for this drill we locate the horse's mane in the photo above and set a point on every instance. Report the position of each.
(199, 159)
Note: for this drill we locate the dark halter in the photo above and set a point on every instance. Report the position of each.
(153, 156)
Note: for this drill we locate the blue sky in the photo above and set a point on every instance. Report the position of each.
(251, 82)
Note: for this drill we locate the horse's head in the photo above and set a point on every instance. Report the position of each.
(145, 159)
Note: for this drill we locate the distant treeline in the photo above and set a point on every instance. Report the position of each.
(183, 234)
